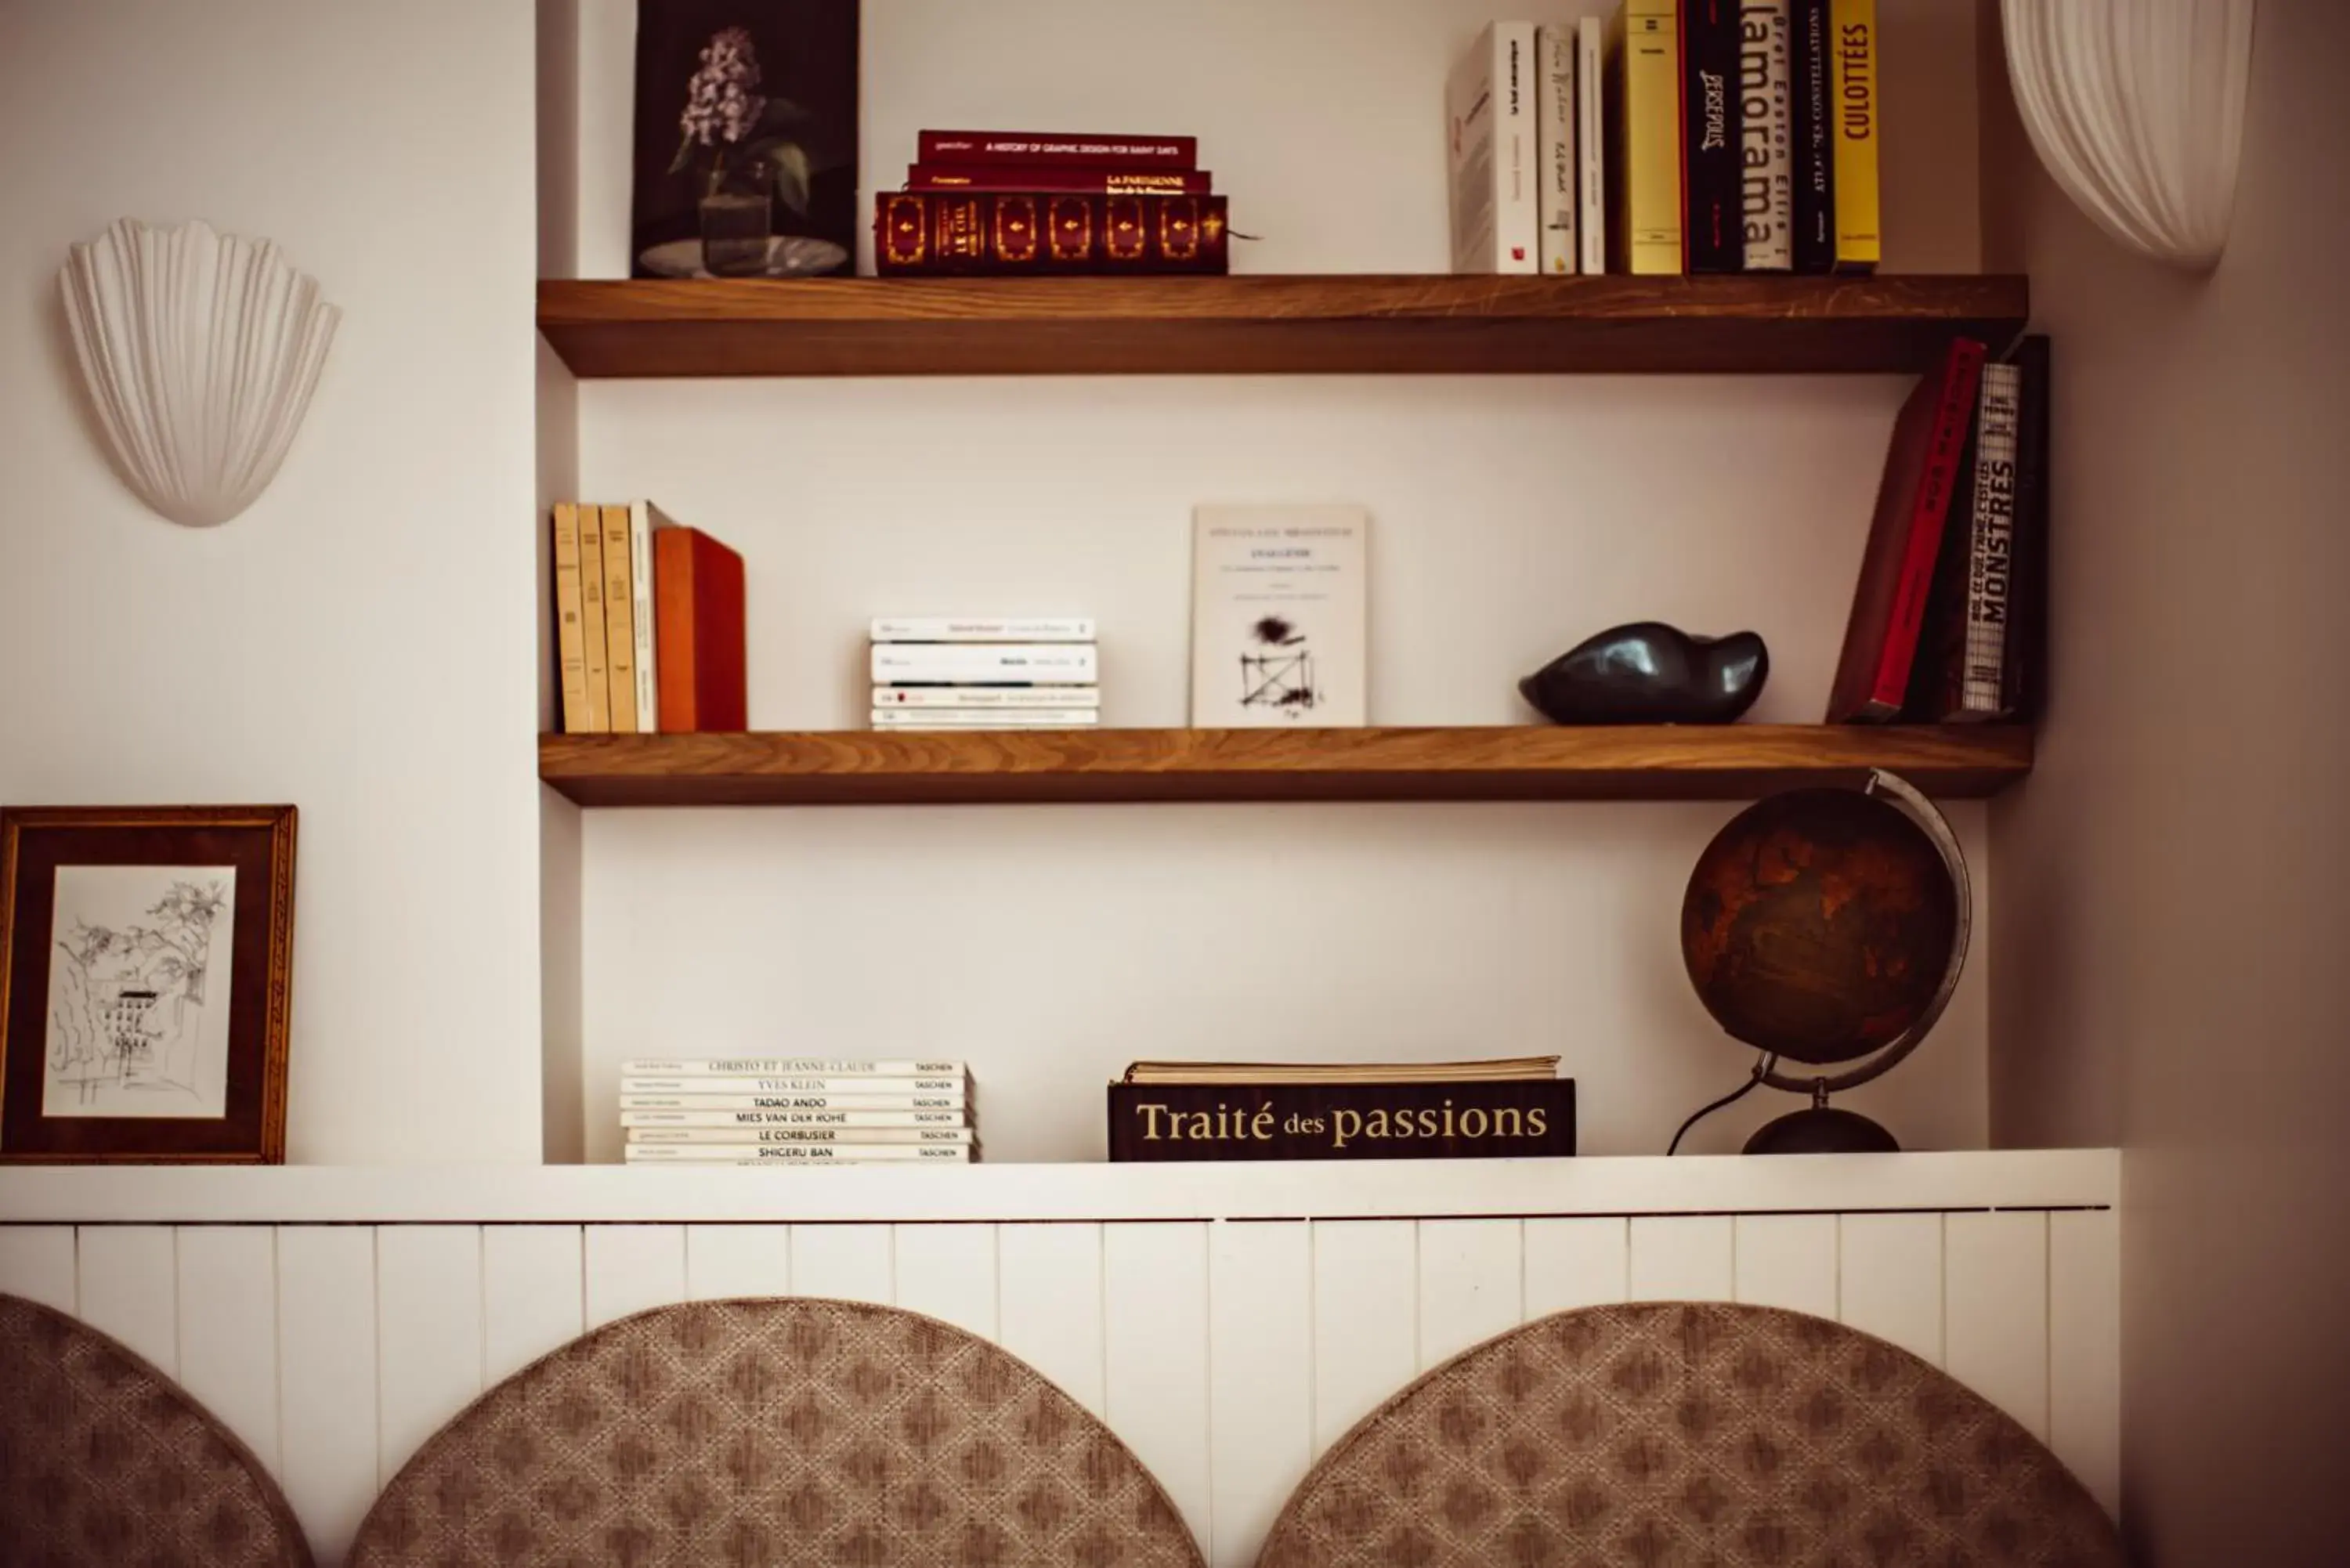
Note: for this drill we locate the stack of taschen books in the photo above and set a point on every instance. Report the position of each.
(1045, 203)
(1675, 136)
(1514, 1107)
(983, 673)
(647, 623)
(768, 1110)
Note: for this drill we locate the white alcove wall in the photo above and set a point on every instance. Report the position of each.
(1512, 516)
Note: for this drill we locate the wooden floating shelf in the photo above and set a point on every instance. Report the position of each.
(1262, 324)
(1737, 762)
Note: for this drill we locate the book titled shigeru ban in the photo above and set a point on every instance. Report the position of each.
(1279, 607)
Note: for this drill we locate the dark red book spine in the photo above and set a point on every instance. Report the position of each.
(1049, 177)
(1486, 1119)
(1070, 152)
(944, 233)
(1712, 229)
(697, 637)
(1897, 569)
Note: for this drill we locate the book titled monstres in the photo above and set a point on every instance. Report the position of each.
(1468, 1120)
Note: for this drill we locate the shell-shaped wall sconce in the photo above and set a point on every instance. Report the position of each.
(2137, 107)
(201, 351)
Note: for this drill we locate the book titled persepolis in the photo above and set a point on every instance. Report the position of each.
(1279, 605)
(1476, 1119)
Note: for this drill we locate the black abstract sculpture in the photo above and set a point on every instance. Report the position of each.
(1651, 674)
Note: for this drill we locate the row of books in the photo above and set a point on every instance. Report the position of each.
(1025, 201)
(647, 623)
(1511, 1108)
(768, 1110)
(985, 673)
(1674, 135)
(1949, 621)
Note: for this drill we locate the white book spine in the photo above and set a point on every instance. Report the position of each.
(947, 629)
(791, 1066)
(968, 697)
(643, 518)
(1517, 210)
(955, 1102)
(713, 1083)
(1990, 549)
(843, 1138)
(793, 1153)
(985, 718)
(1022, 663)
(1559, 172)
(1766, 136)
(754, 1120)
(1590, 109)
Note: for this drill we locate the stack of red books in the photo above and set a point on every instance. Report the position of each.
(1018, 202)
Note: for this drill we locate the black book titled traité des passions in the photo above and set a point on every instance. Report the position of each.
(1474, 1120)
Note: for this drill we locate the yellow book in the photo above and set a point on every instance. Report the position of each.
(619, 621)
(1852, 26)
(594, 627)
(1644, 140)
(570, 636)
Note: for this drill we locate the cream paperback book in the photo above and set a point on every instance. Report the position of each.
(1279, 611)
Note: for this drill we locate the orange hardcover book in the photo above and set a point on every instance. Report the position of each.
(698, 633)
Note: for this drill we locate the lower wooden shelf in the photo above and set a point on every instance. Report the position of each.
(1735, 761)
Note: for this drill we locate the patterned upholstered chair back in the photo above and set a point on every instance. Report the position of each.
(1672, 1435)
(105, 1463)
(760, 1434)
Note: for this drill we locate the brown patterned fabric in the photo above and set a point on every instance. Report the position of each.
(746, 1433)
(1671, 1435)
(107, 1463)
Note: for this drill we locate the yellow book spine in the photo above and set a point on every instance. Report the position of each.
(1643, 101)
(1853, 25)
(619, 621)
(570, 636)
(594, 627)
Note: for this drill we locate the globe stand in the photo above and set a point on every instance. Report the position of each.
(1821, 1129)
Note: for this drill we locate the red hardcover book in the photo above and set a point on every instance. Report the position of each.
(1043, 177)
(698, 633)
(1069, 150)
(1896, 570)
(946, 233)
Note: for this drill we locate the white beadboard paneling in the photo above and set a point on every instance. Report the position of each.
(36, 1262)
(632, 1268)
(1471, 1283)
(1681, 1258)
(327, 1377)
(1889, 1279)
(1050, 1304)
(948, 1272)
(130, 1288)
(843, 1262)
(1788, 1260)
(2085, 1349)
(1574, 1263)
(428, 1290)
(1365, 1318)
(727, 1260)
(1261, 1383)
(1155, 1356)
(533, 1294)
(1995, 1311)
(228, 1329)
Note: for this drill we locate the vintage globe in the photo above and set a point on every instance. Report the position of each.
(1819, 925)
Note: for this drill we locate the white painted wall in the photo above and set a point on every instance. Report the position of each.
(357, 643)
(1512, 518)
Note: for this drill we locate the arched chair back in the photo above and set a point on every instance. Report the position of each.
(768, 1434)
(107, 1463)
(1672, 1435)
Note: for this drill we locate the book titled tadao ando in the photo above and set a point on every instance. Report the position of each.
(1279, 607)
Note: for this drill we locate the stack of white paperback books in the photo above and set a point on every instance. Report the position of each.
(765, 1110)
(943, 673)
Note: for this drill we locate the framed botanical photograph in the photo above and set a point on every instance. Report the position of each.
(146, 983)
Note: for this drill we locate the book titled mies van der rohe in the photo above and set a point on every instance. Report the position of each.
(1458, 1121)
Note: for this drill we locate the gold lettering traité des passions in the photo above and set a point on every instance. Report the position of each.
(1260, 1123)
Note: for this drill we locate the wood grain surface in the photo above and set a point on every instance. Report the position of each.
(1734, 761)
(1270, 324)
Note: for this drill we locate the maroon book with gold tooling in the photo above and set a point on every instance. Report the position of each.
(943, 232)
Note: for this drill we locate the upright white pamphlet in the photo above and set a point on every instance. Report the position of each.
(1279, 610)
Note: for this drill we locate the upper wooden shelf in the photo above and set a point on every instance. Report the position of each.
(1734, 761)
(1272, 325)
